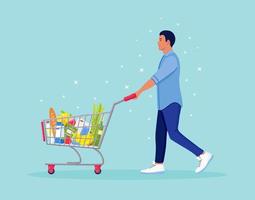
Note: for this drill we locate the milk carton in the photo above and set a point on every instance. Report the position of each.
(79, 124)
(49, 133)
(83, 126)
(60, 130)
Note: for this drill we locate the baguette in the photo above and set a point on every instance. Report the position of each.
(53, 121)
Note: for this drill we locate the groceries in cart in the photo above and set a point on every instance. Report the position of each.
(81, 131)
(63, 117)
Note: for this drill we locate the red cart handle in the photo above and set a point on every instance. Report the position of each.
(43, 133)
(129, 97)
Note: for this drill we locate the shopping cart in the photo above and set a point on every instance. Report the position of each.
(67, 136)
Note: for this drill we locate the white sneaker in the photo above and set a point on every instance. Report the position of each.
(204, 159)
(156, 168)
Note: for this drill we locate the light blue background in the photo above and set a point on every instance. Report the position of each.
(47, 45)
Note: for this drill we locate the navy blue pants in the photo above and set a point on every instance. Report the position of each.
(168, 121)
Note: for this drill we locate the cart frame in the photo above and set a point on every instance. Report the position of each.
(97, 166)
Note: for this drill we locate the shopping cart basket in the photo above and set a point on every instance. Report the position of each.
(68, 136)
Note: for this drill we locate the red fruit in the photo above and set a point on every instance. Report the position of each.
(72, 121)
(67, 140)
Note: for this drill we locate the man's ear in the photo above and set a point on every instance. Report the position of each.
(168, 42)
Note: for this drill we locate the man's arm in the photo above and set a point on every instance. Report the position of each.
(150, 83)
(168, 66)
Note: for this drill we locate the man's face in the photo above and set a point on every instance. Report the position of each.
(162, 43)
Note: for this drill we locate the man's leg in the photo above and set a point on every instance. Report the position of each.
(160, 138)
(171, 117)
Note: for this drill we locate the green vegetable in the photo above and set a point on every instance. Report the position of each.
(96, 122)
(99, 133)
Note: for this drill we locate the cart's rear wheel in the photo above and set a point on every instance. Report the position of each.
(97, 171)
(51, 171)
(51, 168)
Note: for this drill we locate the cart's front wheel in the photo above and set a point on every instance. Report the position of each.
(97, 169)
(51, 171)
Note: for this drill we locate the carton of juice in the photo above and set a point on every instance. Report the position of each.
(47, 128)
(60, 130)
(50, 136)
(83, 126)
(79, 124)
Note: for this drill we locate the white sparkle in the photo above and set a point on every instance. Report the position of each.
(148, 138)
(77, 107)
(189, 38)
(126, 86)
(194, 94)
(95, 98)
(150, 31)
(186, 80)
(199, 69)
(185, 52)
(161, 18)
(75, 82)
(41, 100)
(177, 24)
(141, 69)
(106, 82)
(149, 119)
(130, 110)
(121, 66)
(139, 55)
(190, 115)
(136, 40)
(197, 47)
(150, 96)
(63, 96)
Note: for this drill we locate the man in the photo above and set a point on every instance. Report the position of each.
(169, 106)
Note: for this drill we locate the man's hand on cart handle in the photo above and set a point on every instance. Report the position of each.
(149, 84)
(129, 97)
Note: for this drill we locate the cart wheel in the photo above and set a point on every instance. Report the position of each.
(51, 168)
(51, 171)
(97, 171)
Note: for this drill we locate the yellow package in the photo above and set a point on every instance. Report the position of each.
(64, 117)
(85, 140)
(82, 140)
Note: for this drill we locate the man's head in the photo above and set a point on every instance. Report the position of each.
(166, 40)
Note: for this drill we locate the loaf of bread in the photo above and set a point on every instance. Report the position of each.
(53, 121)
